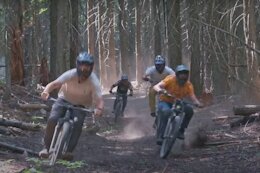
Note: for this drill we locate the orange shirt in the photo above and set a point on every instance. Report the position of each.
(173, 88)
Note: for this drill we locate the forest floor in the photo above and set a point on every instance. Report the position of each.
(129, 146)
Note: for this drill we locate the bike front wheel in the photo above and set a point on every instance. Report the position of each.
(118, 110)
(60, 144)
(170, 134)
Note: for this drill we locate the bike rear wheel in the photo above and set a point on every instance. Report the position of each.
(60, 143)
(170, 134)
(118, 110)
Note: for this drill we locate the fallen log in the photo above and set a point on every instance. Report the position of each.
(221, 118)
(18, 149)
(32, 106)
(245, 120)
(221, 143)
(19, 124)
(246, 110)
(5, 131)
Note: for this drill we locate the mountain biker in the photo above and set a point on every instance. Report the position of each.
(180, 87)
(123, 85)
(155, 74)
(80, 87)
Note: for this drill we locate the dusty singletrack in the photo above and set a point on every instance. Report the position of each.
(129, 145)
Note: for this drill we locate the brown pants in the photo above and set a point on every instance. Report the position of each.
(152, 99)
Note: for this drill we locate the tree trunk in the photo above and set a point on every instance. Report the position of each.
(16, 35)
(111, 44)
(147, 31)
(74, 40)
(250, 39)
(123, 38)
(139, 57)
(59, 37)
(91, 27)
(174, 33)
(7, 52)
(196, 75)
(101, 44)
(53, 41)
(157, 33)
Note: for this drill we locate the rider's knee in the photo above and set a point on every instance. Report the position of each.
(188, 111)
(164, 112)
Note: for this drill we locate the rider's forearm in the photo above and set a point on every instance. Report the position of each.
(195, 100)
(112, 87)
(52, 86)
(158, 86)
(100, 104)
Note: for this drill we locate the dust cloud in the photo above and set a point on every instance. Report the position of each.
(139, 121)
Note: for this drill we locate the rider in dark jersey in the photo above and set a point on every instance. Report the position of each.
(123, 86)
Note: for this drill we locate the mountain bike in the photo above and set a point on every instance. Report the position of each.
(118, 108)
(63, 131)
(173, 126)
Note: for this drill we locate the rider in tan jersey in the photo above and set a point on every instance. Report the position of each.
(79, 87)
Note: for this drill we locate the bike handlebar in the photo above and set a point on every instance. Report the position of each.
(73, 106)
(147, 79)
(180, 100)
(114, 93)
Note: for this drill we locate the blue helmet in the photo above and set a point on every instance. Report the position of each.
(159, 60)
(159, 63)
(84, 58)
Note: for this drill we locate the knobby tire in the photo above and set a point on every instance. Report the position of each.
(170, 135)
(118, 109)
(60, 143)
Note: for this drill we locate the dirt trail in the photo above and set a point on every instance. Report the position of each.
(129, 146)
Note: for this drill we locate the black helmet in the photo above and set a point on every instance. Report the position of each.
(159, 60)
(124, 77)
(181, 68)
(84, 58)
(159, 63)
(182, 74)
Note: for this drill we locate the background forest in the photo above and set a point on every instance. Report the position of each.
(218, 39)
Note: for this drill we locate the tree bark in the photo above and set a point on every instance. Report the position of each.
(16, 35)
(138, 56)
(101, 45)
(157, 33)
(91, 27)
(74, 40)
(174, 33)
(123, 39)
(59, 37)
(112, 62)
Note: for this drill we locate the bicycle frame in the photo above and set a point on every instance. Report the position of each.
(172, 128)
(61, 136)
(118, 105)
(62, 133)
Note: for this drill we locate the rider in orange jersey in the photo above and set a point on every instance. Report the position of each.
(180, 87)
